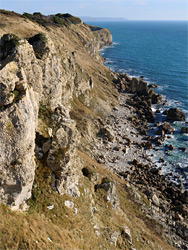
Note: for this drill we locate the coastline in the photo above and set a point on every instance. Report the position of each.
(172, 163)
(88, 122)
(124, 151)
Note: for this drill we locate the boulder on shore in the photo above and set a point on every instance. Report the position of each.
(166, 127)
(175, 114)
(137, 85)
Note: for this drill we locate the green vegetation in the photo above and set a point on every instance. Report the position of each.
(39, 44)
(37, 14)
(45, 114)
(38, 38)
(17, 95)
(69, 18)
(8, 43)
(9, 13)
(58, 19)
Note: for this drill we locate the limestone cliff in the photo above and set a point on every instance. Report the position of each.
(56, 118)
(43, 72)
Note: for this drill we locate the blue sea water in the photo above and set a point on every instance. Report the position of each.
(157, 50)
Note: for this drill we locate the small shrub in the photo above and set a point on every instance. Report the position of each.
(57, 20)
(106, 180)
(8, 43)
(37, 14)
(68, 18)
(9, 13)
(67, 15)
(39, 45)
(28, 15)
(38, 38)
(16, 95)
(74, 20)
(59, 15)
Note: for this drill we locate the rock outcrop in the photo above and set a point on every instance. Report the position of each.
(165, 128)
(61, 117)
(175, 114)
(35, 79)
(18, 119)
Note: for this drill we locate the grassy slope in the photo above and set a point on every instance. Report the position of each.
(62, 227)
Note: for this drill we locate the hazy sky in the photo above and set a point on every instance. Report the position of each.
(131, 9)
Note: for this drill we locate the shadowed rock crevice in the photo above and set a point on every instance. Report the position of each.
(8, 43)
(39, 43)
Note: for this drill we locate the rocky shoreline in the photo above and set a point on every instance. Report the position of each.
(122, 146)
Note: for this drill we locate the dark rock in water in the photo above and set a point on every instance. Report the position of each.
(156, 124)
(175, 114)
(164, 103)
(182, 149)
(165, 112)
(169, 147)
(184, 130)
(150, 92)
(156, 99)
(152, 86)
(158, 141)
(161, 160)
(166, 127)
(141, 77)
(158, 111)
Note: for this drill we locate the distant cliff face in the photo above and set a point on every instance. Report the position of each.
(41, 75)
(102, 37)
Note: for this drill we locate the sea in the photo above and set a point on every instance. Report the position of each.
(157, 50)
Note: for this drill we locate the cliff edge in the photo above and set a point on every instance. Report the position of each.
(57, 103)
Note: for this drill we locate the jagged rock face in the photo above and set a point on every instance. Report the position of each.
(17, 128)
(45, 76)
(103, 37)
(29, 79)
(63, 161)
(138, 85)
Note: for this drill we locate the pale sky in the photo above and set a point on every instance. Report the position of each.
(130, 9)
